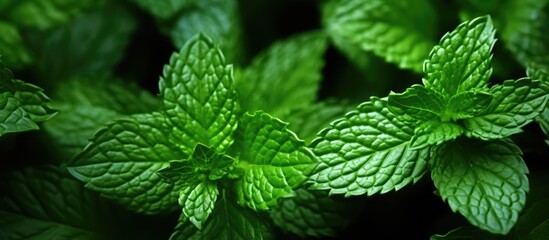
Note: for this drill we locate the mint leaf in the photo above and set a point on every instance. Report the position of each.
(467, 104)
(184, 229)
(539, 73)
(307, 121)
(121, 161)
(88, 103)
(401, 32)
(13, 117)
(218, 19)
(274, 160)
(285, 76)
(205, 164)
(515, 104)
(163, 9)
(461, 61)
(91, 45)
(417, 102)
(227, 221)
(359, 155)
(47, 203)
(466, 233)
(524, 28)
(45, 14)
(485, 181)
(199, 98)
(12, 48)
(34, 101)
(198, 201)
(433, 133)
(309, 213)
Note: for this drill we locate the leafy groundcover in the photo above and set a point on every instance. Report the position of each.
(292, 119)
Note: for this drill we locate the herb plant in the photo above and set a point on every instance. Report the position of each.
(289, 119)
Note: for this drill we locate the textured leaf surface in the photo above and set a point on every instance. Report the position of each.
(309, 213)
(285, 76)
(199, 96)
(13, 117)
(12, 46)
(274, 160)
(417, 102)
(121, 163)
(515, 104)
(34, 101)
(91, 45)
(219, 19)
(461, 61)
(467, 104)
(87, 104)
(47, 203)
(524, 30)
(227, 221)
(542, 74)
(198, 201)
(433, 133)
(367, 151)
(400, 31)
(484, 181)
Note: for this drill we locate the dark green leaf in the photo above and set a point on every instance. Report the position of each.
(485, 181)
(13, 117)
(12, 48)
(199, 96)
(163, 9)
(274, 160)
(461, 61)
(367, 151)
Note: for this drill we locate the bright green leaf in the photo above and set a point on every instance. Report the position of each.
(309, 213)
(13, 117)
(367, 151)
(467, 104)
(434, 133)
(400, 31)
(515, 104)
(485, 181)
(198, 201)
(199, 96)
(417, 102)
(274, 160)
(227, 221)
(91, 45)
(461, 61)
(285, 76)
(218, 19)
(87, 104)
(12, 47)
(121, 163)
(47, 203)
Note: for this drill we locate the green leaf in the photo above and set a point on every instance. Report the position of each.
(13, 117)
(467, 104)
(367, 151)
(485, 181)
(525, 24)
(461, 61)
(163, 9)
(121, 161)
(218, 19)
(47, 203)
(198, 201)
(184, 229)
(309, 213)
(285, 76)
(34, 101)
(400, 31)
(515, 104)
(47, 13)
(466, 233)
(91, 45)
(227, 221)
(205, 164)
(12, 47)
(540, 73)
(199, 97)
(274, 160)
(434, 133)
(417, 102)
(309, 120)
(88, 103)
